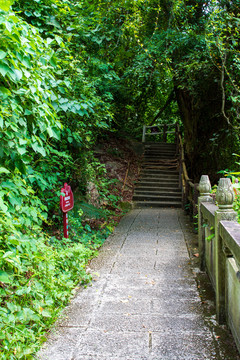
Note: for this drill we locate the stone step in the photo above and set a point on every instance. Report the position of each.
(159, 144)
(158, 188)
(160, 150)
(159, 191)
(160, 155)
(157, 167)
(159, 179)
(154, 197)
(164, 169)
(162, 204)
(157, 172)
(158, 183)
(164, 157)
(159, 175)
(160, 160)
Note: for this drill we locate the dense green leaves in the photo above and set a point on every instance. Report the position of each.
(26, 108)
(5, 4)
(46, 104)
(198, 41)
(36, 280)
(222, 37)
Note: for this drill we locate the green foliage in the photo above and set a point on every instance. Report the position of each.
(79, 77)
(199, 42)
(222, 38)
(5, 4)
(211, 236)
(48, 110)
(69, 70)
(19, 203)
(36, 280)
(37, 274)
(81, 231)
(27, 117)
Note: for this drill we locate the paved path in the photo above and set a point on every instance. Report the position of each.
(144, 305)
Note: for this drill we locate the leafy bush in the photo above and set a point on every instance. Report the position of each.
(27, 117)
(36, 281)
(37, 273)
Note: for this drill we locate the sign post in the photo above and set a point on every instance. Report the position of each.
(65, 225)
(66, 204)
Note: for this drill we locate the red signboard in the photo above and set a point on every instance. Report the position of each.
(66, 204)
(67, 201)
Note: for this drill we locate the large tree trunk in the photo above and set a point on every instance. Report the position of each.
(190, 118)
(202, 119)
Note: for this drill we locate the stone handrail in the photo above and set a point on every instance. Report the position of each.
(219, 250)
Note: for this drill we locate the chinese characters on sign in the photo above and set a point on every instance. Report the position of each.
(66, 204)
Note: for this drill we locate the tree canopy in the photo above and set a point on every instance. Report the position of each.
(110, 65)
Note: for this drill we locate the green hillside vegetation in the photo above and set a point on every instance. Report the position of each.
(74, 74)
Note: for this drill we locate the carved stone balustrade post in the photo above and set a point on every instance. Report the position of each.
(225, 198)
(204, 190)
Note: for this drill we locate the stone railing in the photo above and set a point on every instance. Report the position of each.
(219, 250)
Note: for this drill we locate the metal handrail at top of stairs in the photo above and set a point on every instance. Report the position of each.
(155, 130)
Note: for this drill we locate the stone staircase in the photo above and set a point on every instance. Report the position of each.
(159, 182)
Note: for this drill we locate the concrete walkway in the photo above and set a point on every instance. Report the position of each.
(144, 305)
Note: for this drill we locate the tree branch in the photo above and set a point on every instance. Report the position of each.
(223, 90)
(168, 102)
